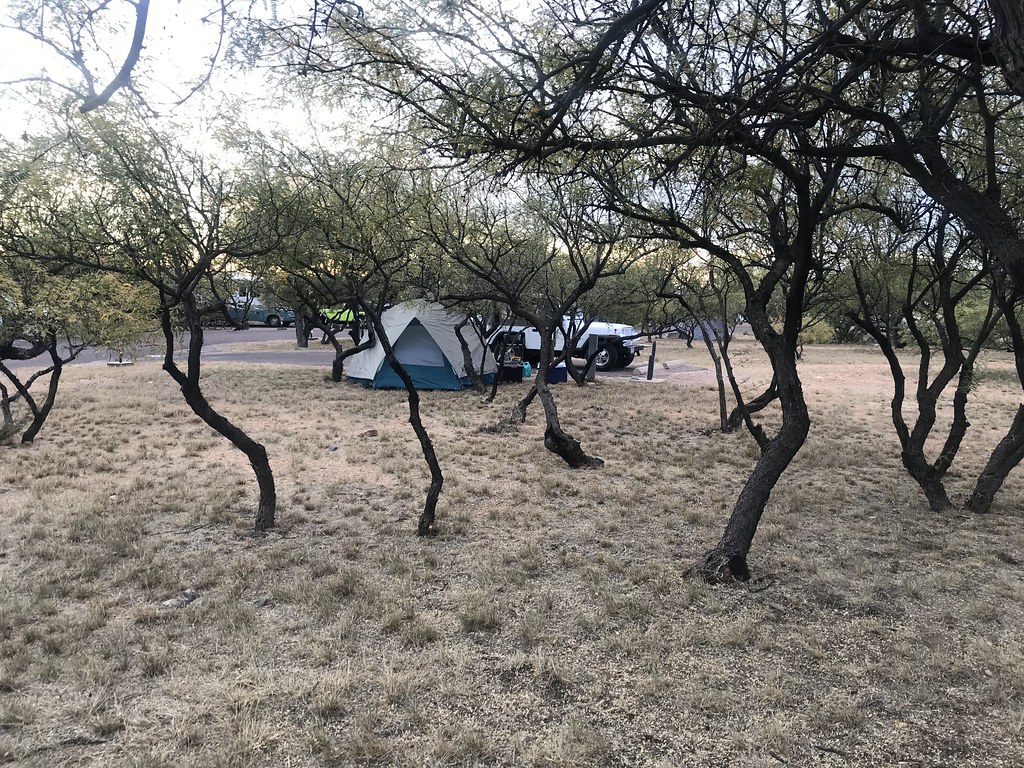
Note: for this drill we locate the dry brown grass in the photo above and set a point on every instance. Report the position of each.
(549, 624)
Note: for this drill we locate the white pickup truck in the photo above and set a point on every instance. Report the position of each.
(616, 343)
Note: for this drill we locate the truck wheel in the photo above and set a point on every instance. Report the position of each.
(626, 359)
(273, 321)
(606, 358)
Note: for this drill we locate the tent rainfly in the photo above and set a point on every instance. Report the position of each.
(424, 340)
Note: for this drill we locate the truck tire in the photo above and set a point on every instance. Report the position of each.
(626, 357)
(607, 358)
(273, 321)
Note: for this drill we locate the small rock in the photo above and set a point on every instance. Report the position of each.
(185, 598)
(369, 433)
(262, 602)
(332, 447)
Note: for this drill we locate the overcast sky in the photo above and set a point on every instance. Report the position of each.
(177, 50)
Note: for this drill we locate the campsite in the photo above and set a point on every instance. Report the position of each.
(637, 383)
(549, 623)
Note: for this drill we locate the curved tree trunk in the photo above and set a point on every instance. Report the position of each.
(188, 382)
(744, 410)
(341, 355)
(39, 414)
(1010, 450)
(518, 415)
(557, 440)
(729, 558)
(467, 359)
(1007, 455)
(23, 392)
(426, 524)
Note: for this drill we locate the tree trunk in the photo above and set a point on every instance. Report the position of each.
(1008, 41)
(188, 381)
(518, 415)
(723, 421)
(467, 359)
(5, 410)
(1007, 455)
(557, 440)
(1010, 450)
(426, 525)
(497, 376)
(927, 477)
(303, 327)
(744, 410)
(728, 560)
(39, 414)
(341, 354)
(254, 451)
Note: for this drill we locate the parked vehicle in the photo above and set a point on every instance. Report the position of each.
(255, 311)
(616, 343)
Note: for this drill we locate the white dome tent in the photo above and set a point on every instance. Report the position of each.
(425, 343)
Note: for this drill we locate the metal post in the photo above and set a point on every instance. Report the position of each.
(650, 362)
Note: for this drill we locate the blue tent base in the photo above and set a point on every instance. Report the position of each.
(424, 377)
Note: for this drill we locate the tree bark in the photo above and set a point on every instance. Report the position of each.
(1007, 455)
(426, 524)
(723, 421)
(744, 410)
(341, 354)
(303, 327)
(467, 358)
(39, 414)
(1010, 450)
(728, 560)
(518, 415)
(1008, 41)
(188, 382)
(5, 410)
(557, 440)
(50, 344)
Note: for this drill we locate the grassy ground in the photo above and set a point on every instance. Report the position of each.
(549, 624)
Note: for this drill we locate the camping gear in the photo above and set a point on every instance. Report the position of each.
(423, 337)
(511, 373)
(510, 357)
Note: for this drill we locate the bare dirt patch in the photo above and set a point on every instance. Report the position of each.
(548, 624)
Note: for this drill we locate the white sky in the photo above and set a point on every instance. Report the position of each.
(176, 54)
(178, 47)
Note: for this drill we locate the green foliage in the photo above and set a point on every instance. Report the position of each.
(820, 332)
(93, 308)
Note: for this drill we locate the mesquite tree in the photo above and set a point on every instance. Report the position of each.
(51, 313)
(927, 81)
(538, 252)
(940, 271)
(140, 205)
(359, 247)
